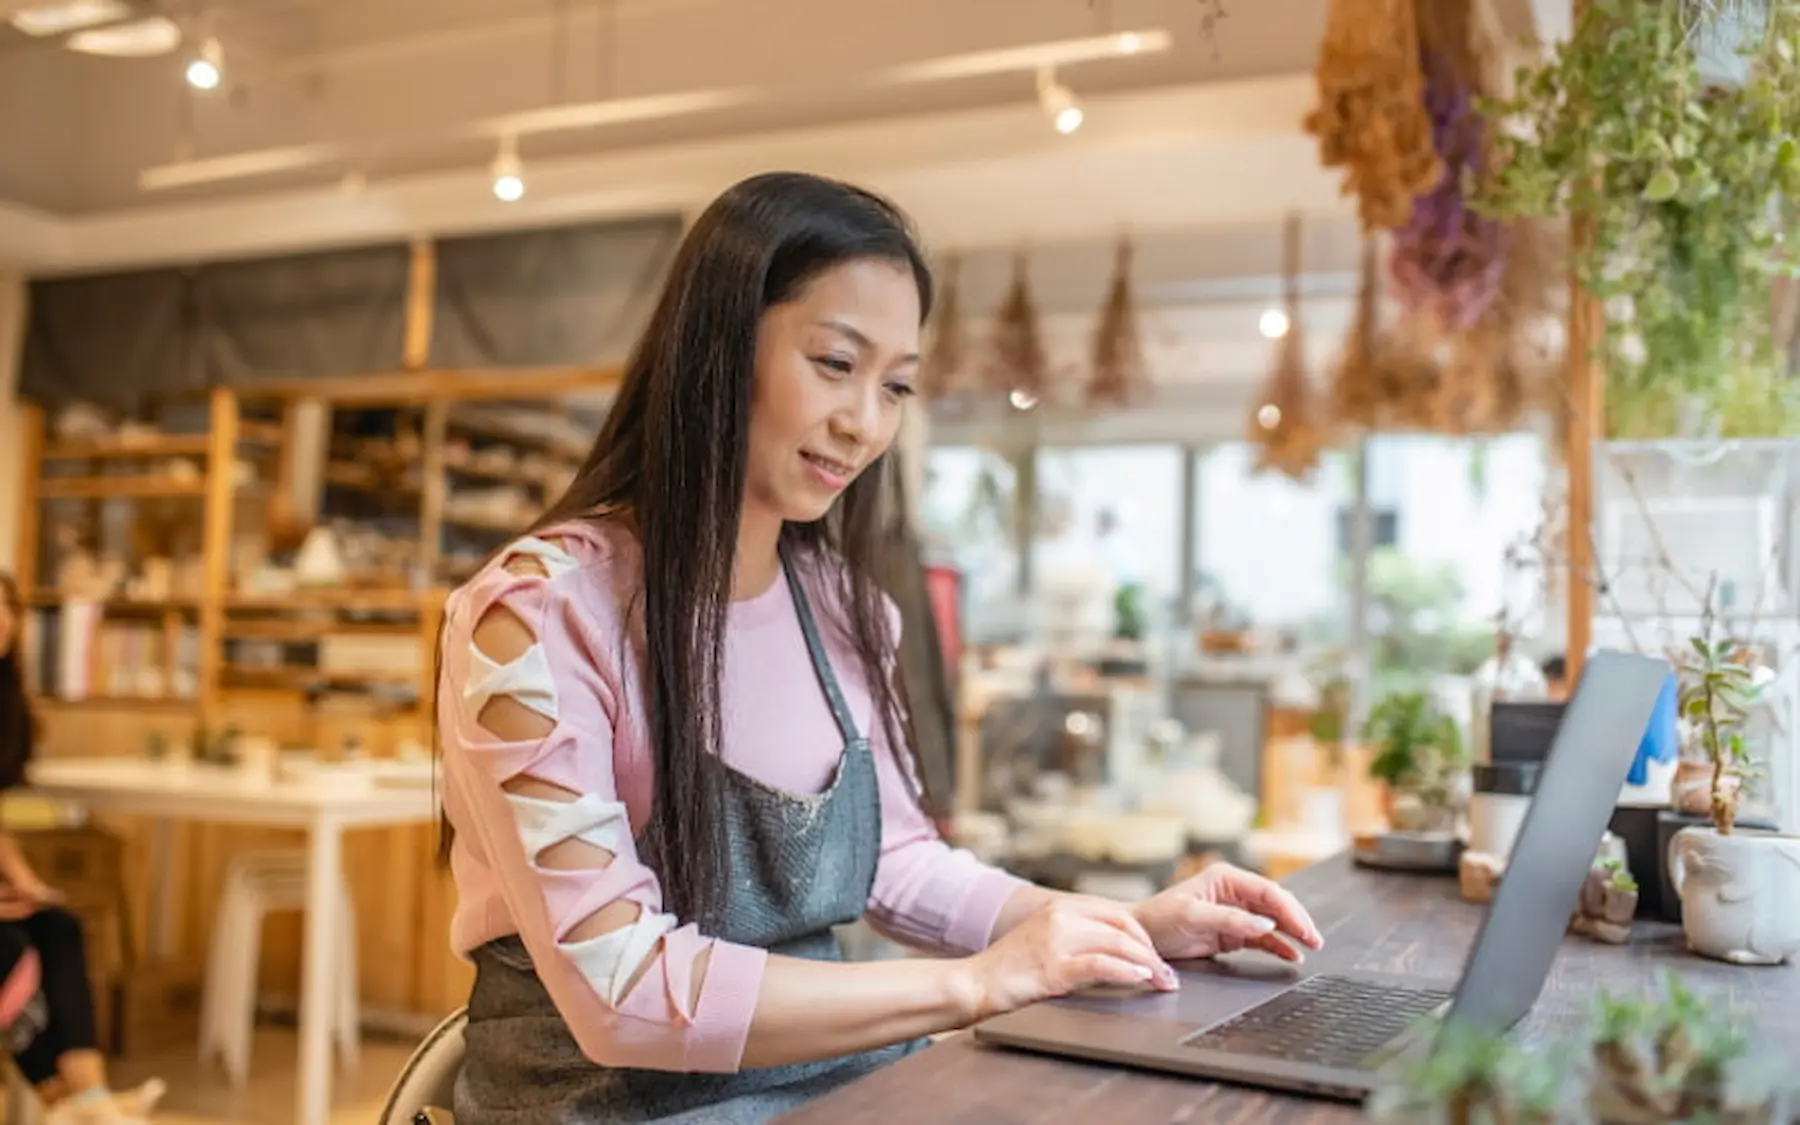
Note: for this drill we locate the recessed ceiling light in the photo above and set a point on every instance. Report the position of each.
(71, 15)
(139, 39)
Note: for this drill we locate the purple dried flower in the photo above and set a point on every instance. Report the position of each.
(1446, 258)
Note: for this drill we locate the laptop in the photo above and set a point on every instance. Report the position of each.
(1250, 1020)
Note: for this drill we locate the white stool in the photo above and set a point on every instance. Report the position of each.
(256, 885)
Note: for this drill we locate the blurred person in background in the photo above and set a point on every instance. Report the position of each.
(46, 991)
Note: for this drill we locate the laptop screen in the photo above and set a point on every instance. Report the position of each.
(1577, 789)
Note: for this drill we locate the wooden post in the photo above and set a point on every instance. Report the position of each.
(221, 496)
(432, 489)
(1586, 406)
(31, 514)
(421, 285)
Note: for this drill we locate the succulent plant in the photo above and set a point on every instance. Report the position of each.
(1671, 1055)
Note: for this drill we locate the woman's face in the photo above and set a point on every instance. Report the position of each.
(833, 368)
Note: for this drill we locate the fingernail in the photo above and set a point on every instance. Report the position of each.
(1168, 978)
(1263, 925)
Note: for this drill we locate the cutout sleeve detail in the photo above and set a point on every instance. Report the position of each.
(528, 708)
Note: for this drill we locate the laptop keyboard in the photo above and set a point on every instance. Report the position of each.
(1328, 1020)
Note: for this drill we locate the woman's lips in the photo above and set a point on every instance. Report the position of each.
(834, 475)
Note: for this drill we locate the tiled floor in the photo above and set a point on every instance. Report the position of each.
(201, 1096)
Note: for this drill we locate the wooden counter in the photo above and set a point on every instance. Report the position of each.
(1371, 921)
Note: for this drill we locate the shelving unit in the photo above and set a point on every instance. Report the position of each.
(322, 667)
(429, 477)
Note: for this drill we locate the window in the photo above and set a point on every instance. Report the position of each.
(1115, 510)
(1268, 545)
(968, 518)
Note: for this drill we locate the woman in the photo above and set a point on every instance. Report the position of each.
(672, 745)
(46, 997)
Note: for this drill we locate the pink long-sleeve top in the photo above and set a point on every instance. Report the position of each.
(626, 995)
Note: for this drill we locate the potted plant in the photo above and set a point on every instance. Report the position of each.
(1668, 1056)
(1473, 1076)
(1678, 1057)
(1739, 889)
(1669, 128)
(1330, 721)
(1608, 903)
(1420, 761)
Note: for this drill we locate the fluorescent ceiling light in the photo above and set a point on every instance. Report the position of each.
(550, 119)
(1062, 52)
(266, 162)
(71, 15)
(140, 39)
(615, 111)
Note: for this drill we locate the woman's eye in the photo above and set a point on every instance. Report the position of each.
(835, 364)
(901, 390)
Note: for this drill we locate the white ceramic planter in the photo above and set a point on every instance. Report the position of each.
(1740, 894)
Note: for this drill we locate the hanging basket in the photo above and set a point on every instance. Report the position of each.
(1017, 364)
(1120, 375)
(1284, 421)
(943, 374)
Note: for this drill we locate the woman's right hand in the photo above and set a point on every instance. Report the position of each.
(1074, 942)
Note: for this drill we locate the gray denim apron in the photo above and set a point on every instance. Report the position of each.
(799, 865)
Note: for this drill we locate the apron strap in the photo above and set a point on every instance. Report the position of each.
(815, 648)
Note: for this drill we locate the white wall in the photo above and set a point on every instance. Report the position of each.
(12, 328)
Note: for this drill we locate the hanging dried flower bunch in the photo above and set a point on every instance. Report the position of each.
(942, 374)
(1120, 374)
(1501, 368)
(1460, 355)
(1414, 374)
(1371, 119)
(1447, 259)
(1284, 420)
(1018, 364)
(1384, 377)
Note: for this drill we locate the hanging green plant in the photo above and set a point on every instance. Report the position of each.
(1683, 170)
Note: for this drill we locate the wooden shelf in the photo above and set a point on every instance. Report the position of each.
(52, 599)
(491, 526)
(343, 601)
(281, 630)
(145, 702)
(99, 449)
(363, 478)
(122, 487)
(498, 476)
(502, 429)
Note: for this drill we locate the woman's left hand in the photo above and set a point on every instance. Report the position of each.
(1225, 908)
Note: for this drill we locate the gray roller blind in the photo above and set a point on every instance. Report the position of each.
(563, 296)
(118, 340)
(339, 312)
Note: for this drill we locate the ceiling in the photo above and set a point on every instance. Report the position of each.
(365, 120)
(406, 85)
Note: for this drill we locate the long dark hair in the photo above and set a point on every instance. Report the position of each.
(669, 463)
(18, 729)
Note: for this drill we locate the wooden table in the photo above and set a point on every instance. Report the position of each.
(1372, 921)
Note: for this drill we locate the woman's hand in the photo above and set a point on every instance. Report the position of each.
(1225, 908)
(1071, 943)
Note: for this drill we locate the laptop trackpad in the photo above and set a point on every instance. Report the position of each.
(1211, 990)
